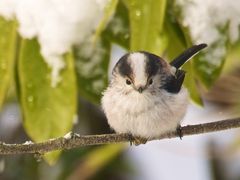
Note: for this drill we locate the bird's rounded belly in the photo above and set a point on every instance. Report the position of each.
(146, 118)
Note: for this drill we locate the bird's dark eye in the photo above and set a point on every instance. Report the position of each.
(150, 82)
(128, 82)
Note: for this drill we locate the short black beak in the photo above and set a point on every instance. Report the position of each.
(140, 89)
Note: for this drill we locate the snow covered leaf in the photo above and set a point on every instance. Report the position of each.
(48, 112)
(92, 61)
(118, 28)
(208, 64)
(146, 22)
(7, 54)
(216, 24)
(62, 25)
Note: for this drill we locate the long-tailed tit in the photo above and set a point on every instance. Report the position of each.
(145, 97)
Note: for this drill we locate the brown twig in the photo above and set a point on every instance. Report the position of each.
(74, 140)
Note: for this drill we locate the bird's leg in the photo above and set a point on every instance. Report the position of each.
(131, 139)
(137, 140)
(179, 131)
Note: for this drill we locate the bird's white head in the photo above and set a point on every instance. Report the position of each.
(141, 72)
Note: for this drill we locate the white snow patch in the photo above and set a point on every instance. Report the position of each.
(213, 23)
(94, 51)
(68, 135)
(205, 18)
(118, 26)
(28, 142)
(57, 24)
(76, 135)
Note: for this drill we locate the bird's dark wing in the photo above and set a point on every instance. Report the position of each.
(173, 84)
(186, 55)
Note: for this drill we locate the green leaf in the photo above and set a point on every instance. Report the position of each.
(209, 64)
(8, 36)
(92, 57)
(96, 160)
(146, 22)
(108, 12)
(232, 59)
(92, 61)
(48, 112)
(191, 84)
(118, 30)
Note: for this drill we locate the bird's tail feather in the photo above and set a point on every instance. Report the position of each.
(186, 55)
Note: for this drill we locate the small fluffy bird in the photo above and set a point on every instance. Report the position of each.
(145, 97)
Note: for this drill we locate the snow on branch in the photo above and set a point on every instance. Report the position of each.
(73, 140)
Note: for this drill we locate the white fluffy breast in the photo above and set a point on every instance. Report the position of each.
(144, 115)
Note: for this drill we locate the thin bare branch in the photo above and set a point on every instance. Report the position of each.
(75, 141)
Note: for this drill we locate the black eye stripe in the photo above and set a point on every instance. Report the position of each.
(153, 64)
(123, 66)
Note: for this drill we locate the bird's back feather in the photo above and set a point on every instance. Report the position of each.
(174, 83)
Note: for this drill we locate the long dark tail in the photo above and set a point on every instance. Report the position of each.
(186, 55)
